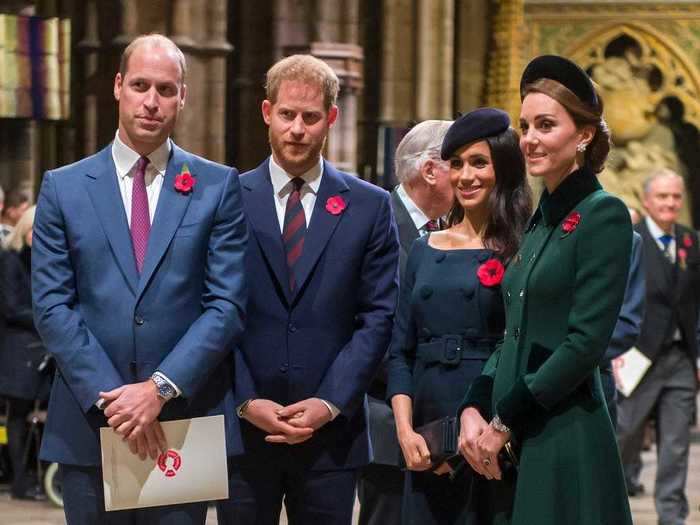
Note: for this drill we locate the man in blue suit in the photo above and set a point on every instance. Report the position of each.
(322, 258)
(138, 286)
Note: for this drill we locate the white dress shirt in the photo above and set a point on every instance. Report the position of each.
(656, 232)
(125, 162)
(282, 186)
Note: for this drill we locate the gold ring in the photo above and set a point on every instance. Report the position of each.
(487, 462)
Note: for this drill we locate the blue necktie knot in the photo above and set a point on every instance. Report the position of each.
(666, 240)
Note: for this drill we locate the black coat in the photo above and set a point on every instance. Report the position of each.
(671, 291)
(21, 350)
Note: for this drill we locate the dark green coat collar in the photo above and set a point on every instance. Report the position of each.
(573, 189)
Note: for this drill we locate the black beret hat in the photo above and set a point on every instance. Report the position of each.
(475, 125)
(563, 71)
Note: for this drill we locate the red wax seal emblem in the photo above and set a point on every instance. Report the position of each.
(169, 462)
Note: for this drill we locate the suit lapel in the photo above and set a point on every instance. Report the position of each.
(262, 217)
(323, 223)
(103, 188)
(661, 271)
(169, 212)
(407, 228)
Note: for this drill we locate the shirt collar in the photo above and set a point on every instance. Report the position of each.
(655, 230)
(125, 158)
(417, 216)
(280, 178)
(572, 190)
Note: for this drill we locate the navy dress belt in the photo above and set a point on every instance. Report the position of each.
(451, 349)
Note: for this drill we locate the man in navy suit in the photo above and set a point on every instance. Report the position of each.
(138, 286)
(322, 258)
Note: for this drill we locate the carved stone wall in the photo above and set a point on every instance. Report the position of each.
(645, 58)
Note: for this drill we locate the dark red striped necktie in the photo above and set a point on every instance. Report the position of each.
(294, 229)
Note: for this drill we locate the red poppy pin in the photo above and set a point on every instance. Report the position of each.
(682, 256)
(687, 240)
(335, 205)
(184, 181)
(570, 223)
(491, 273)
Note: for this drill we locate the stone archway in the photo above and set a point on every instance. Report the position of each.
(652, 93)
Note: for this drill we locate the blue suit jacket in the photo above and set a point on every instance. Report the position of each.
(105, 325)
(628, 326)
(328, 338)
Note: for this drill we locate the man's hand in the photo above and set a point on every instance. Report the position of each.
(130, 408)
(151, 443)
(312, 413)
(472, 425)
(263, 413)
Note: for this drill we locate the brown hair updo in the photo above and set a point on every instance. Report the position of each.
(582, 114)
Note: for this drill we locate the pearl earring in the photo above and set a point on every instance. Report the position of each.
(581, 147)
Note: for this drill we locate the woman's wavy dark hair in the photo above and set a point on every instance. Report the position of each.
(510, 201)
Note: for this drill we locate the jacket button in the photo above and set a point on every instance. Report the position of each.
(284, 368)
(138, 320)
(516, 333)
(291, 328)
(522, 293)
(508, 297)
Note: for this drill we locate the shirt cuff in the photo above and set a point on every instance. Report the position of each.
(331, 408)
(160, 374)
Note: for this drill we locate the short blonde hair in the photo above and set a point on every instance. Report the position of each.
(17, 239)
(307, 69)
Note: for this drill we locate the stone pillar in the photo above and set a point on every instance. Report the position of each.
(473, 36)
(434, 51)
(397, 89)
(218, 49)
(505, 65)
(88, 103)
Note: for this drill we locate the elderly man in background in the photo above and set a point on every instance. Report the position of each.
(669, 339)
(423, 196)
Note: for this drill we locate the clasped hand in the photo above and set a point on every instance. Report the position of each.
(480, 443)
(292, 424)
(131, 410)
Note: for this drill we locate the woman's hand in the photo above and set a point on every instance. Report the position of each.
(471, 426)
(415, 450)
(488, 446)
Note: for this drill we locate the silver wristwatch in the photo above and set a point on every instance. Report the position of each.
(165, 389)
(498, 425)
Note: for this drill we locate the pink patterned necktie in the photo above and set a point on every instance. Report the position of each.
(140, 218)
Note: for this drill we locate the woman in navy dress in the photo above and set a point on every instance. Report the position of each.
(450, 312)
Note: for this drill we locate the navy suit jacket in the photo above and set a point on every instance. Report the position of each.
(326, 339)
(629, 322)
(106, 325)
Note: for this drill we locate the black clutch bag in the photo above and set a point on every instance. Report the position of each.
(441, 437)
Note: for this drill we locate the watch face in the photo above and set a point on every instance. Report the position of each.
(166, 390)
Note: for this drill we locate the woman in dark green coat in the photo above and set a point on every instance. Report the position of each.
(562, 292)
